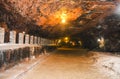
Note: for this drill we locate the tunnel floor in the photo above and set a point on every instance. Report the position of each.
(66, 63)
(71, 63)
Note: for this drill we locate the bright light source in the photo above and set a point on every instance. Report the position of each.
(98, 40)
(63, 17)
(63, 21)
(117, 11)
(101, 42)
(73, 43)
(66, 39)
(59, 41)
(80, 43)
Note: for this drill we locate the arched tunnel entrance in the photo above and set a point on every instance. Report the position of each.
(59, 39)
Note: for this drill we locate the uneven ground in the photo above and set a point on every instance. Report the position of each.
(67, 63)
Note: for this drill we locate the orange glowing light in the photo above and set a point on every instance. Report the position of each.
(63, 21)
(66, 38)
(63, 17)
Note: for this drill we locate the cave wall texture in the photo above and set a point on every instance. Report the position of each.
(88, 19)
(41, 17)
(109, 30)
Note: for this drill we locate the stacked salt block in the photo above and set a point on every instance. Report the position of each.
(42, 40)
(21, 38)
(27, 39)
(48, 41)
(35, 39)
(31, 39)
(13, 37)
(45, 41)
(2, 34)
(38, 40)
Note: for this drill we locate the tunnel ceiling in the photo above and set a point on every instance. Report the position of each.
(54, 18)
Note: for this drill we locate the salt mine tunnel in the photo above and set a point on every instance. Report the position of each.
(30, 27)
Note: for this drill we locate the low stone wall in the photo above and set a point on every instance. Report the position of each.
(9, 57)
(19, 46)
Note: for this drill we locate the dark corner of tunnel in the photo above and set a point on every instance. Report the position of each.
(104, 37)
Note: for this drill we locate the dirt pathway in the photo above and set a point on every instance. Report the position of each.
(66, 64)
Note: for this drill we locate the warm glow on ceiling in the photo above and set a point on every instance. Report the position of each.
(63, 17)
(63, 21)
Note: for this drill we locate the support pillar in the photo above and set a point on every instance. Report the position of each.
(41, 41)
(31, 39)
(38, 40)
(35, 39)
(13, 37)
(21, 38)
(2, 35)
(27, 39)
